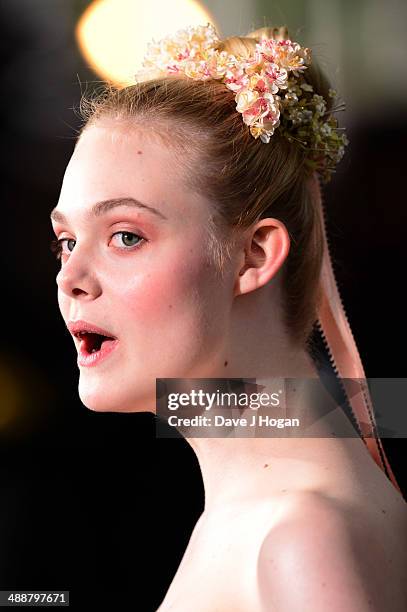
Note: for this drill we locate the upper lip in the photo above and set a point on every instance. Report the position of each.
(75, 327)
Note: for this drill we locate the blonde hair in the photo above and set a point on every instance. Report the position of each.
(246, 180)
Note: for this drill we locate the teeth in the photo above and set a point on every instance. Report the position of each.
(81, 335)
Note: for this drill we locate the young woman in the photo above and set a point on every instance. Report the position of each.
(191, 237)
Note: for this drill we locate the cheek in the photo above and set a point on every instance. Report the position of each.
(176, 293)
(63, 303)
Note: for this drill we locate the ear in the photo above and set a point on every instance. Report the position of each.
(262, 255)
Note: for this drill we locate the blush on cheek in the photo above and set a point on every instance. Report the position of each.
(182, 281)
(174, 318)
(154, 295)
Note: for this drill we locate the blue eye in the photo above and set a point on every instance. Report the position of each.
(56, 246)
(133, 235)
(128, 237)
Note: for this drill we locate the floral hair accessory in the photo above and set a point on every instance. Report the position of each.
(269, 87)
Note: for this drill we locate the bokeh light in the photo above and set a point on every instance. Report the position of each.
(113, 34)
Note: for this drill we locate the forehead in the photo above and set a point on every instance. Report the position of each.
(108, 158)
(109, 162)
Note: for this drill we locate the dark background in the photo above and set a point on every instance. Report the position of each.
(94, 503)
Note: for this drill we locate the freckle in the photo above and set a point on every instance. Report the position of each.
(139, 152)
(323, 584)
(283, 490)
(169, 305)
(266, 465)
(384, 511)
(226, 363)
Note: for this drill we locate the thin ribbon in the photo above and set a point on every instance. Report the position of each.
(344, 354)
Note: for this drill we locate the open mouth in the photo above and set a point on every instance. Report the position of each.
(92, 342)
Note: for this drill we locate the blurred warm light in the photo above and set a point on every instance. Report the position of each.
(113, 34)
(26, 396)
(11, 397)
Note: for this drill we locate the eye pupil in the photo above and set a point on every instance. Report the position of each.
(132, 237)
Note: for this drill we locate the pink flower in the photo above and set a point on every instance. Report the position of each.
(236, 80)
(275, 64)
(267, 49)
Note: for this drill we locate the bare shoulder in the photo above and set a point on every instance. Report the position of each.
(323, 555)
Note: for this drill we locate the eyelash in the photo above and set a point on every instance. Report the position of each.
(56, 244)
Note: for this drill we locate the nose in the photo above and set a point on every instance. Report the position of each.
(77, 277)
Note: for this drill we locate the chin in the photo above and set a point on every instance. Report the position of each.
(99, 400)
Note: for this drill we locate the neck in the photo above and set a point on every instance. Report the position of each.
(237, 469)
(260, 465)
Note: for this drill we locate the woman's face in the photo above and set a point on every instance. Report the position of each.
(143, 276)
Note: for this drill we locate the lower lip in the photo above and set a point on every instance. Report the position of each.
(92, 359)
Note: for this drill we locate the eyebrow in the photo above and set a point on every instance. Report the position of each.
(100, 208)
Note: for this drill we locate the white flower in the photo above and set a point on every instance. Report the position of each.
(325, 129)
(245, 99)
